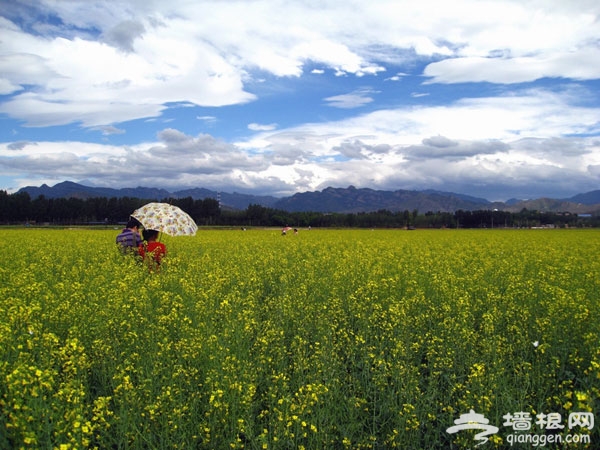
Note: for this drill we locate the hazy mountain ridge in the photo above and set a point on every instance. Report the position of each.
(553, 205)
(340, 200)
(352, 200)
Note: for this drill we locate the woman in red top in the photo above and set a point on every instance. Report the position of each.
(152, 251)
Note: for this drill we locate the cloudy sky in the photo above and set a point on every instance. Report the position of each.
(497, 99)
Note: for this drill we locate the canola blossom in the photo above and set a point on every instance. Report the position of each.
(324, 339)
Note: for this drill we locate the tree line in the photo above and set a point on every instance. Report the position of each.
(20, 208)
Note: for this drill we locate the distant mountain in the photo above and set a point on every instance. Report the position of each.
(513, 201)
(352, 200)
(68, 189)
(589, 198)
(241, 201)
(552, 205)
(195, 193)
(334, 200)
(235, 200)
(465, 197)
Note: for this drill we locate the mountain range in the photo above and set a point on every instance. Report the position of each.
(333, 200)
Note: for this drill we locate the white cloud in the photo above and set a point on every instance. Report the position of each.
(124, 34)
(109, 130)
(97, 84)
(354, 99)
(396, 77)
(164, 52)
(7, 87)
(262, 127)
(517, 70)
(19, 145)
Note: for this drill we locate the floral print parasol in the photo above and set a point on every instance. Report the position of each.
(166, 218)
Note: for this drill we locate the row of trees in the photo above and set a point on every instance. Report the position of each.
(20, 208)
(257, 215)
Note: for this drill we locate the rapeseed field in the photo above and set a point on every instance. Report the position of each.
(328, 339)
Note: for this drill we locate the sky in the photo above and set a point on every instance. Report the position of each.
(496, 99)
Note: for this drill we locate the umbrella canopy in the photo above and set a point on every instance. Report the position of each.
(166, 218)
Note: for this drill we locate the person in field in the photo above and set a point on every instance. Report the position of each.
(152, 251)
(129, 240)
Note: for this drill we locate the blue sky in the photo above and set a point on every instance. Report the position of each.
(497, 99)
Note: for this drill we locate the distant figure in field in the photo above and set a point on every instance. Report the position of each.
(152, 251)
(129, 240)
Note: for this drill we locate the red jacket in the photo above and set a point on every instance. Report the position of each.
(154, 249)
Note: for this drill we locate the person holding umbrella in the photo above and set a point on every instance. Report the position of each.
(161, 218)
(152, 251)
(129, 240)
